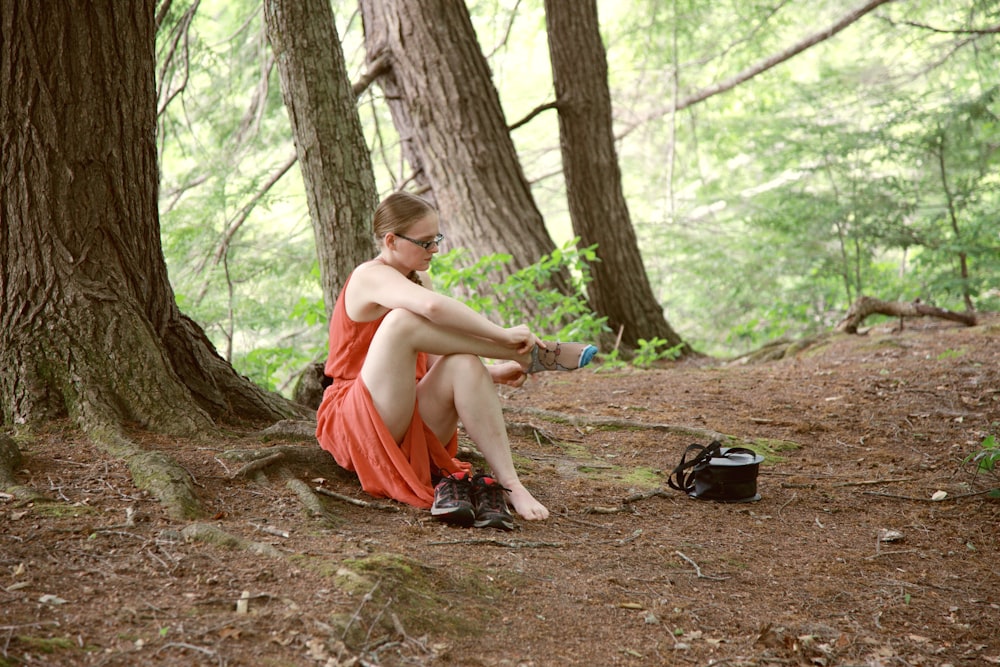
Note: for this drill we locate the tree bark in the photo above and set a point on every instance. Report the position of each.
(866, 305)
(88, 323)
(448, 114)
(335, 161)
(620, 289)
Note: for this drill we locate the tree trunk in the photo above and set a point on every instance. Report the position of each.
(336, 165)
(448, 113)
(88, 323)
(620, 289)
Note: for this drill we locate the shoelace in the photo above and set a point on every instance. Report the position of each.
(489, 494)
(449, 487)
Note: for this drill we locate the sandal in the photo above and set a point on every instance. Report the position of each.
(556, 356)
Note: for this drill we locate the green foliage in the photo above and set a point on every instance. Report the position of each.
(866, 164)
(651, 351)
(987, 459)
(473, 284)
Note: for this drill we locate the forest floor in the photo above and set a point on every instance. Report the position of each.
(845, 560)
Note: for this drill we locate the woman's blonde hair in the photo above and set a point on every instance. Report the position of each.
(398, 212)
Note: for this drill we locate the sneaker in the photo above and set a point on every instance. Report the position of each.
(556, 356)
(490, 504)
(453, 500)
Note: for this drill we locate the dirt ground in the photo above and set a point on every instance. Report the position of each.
(845, 560)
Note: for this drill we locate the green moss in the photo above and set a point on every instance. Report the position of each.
(643, 478)
(448, 602)
(46, 644)
(769, 448)
(61, 510)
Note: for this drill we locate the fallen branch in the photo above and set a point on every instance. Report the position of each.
(866, 305)
(355, 501)
(510, 544)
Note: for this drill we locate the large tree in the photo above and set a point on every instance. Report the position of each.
(336, 165)
(448, 114)
(620, 289)
(89, 327)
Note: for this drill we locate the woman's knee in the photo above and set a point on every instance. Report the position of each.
(400, 318)
(400, 324)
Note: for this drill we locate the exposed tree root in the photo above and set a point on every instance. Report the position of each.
(312, 502)
(292, 429)
(314, 459)
(614, 422)
(155, 472)
(10, 460)
(204, 532)
(277, 459)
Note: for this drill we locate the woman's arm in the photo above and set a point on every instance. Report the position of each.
(375, 288)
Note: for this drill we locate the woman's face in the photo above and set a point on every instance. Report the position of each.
(408, 245)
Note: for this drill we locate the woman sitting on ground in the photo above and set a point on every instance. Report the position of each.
(406, 368)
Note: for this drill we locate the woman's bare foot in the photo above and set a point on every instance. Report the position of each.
(556, 356)
(525, 504)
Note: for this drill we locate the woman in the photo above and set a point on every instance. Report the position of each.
(406, 369)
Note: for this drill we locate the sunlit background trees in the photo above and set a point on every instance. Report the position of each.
(865, 164)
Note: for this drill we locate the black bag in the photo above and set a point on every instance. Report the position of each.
(723, 474)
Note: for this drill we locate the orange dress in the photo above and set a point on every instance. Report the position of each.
(351, 429)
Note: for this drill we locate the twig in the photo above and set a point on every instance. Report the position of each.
(655, 493)
(364, 600)
(598, 509)
(200, 649)
(631, 538)
(869, 482)
(567, 517)
(788, 502)
(355, 501)
(510, 544)
(890, 553)
(697, 570)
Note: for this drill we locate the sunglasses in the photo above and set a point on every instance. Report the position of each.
(426, 245)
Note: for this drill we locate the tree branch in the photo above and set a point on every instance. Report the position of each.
(378, 67)
(763, 65)
(534, 112)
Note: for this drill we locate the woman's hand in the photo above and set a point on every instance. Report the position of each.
(521, 338)
(509, 373)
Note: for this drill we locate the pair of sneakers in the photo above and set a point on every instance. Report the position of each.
(476, 501)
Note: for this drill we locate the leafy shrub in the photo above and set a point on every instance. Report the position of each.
(500, 302)
(987, 460)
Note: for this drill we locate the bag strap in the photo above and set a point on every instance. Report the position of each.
(738, 450)
(684, 480)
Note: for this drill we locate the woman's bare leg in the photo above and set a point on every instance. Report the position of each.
(459, 388)
(388, 371)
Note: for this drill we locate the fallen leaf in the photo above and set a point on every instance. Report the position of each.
(630, 605)
(51, 599)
